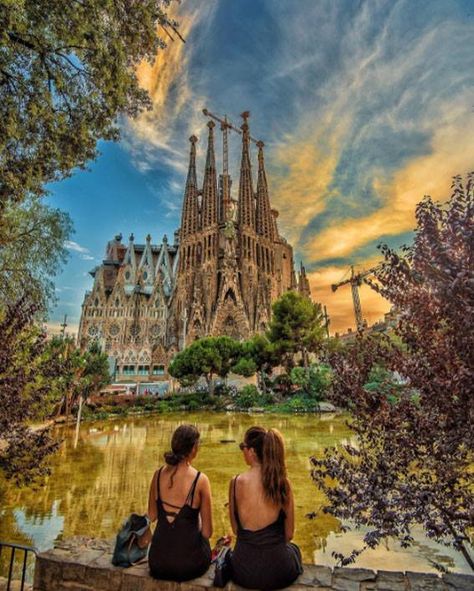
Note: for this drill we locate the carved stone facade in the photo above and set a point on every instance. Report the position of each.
(227, 264)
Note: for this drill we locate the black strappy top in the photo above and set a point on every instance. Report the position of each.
(187, 503)
(178, 550)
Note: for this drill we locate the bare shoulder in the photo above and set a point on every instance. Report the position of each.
(203, 478)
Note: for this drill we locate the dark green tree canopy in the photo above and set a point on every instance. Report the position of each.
(297, 326)
(206, 357)
(67, 69)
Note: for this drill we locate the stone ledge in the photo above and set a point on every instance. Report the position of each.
(84, 564)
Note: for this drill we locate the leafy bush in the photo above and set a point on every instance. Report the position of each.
(314, 380)
(298, 403)
(250, 396)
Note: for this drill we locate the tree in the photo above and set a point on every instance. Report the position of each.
(258, 356)
(72, 374)
(413, 460)
(297, 326)
(66, 73)
(23, 451)
(208, 357)
(32, 237)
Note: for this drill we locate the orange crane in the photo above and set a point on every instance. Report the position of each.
(356, 280)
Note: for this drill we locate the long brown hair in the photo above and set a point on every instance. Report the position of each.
(270, 450)
(184, 439)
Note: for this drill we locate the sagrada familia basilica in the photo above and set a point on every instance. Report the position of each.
(219, 276)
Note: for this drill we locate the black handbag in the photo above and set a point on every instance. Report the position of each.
(131, 544)
(222, 574)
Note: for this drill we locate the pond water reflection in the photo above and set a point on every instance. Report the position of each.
(95, 485)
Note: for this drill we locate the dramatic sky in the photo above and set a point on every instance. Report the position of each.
(364, 107)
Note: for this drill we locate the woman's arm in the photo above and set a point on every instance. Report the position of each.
(290, 515)
(152, 509)
(231, 506)
(206, 506)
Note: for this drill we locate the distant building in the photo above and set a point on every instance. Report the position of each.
(225, 267)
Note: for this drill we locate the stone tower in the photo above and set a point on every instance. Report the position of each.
(233, 262)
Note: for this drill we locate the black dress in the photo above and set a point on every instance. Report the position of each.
(178, 550)
(262, 559)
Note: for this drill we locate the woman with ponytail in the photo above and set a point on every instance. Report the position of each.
(262, 515)
(180, 499)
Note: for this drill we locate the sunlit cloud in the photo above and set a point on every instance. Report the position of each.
(363, 107)
(157, 137)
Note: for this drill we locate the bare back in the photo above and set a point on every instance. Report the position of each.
(255, 510)
(177, 493)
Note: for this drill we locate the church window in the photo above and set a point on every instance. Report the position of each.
(143, 370)
(158, 370)
(128, 370)
(145, 275)
(127, 275)
(96, 302)
(117, 303)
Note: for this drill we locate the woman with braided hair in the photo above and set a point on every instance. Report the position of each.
(262, 515)
(180, 499)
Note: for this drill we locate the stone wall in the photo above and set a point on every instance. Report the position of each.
(82, 564)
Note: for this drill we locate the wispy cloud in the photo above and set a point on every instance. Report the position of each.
(364, 108)
(83, 252)
(156, 138)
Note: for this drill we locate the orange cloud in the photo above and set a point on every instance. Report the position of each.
(426, 175)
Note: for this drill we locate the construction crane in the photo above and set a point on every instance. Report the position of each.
(356, 280)
(227, 126)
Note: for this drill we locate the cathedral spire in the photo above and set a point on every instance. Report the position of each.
(190, 216)
(303, 282)
(246, 196)
(209, 189)
(263, 214)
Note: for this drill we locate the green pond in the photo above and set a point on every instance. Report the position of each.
(102, 477)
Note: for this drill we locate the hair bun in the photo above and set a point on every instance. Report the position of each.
(172, 458)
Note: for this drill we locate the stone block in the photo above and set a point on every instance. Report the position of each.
(350, 579)
(104, 579)
(48, 572)
(322, 576)
(390, 581)
(458, 582)
(424, 582)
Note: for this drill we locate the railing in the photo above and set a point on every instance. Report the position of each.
(14, 548)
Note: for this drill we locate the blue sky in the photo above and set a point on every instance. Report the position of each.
(364, 107)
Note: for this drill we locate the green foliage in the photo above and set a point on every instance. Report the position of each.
(383, 381)
(297, 403)
(23, 452)
(67, 69)
(71, 373)
(297, 326)
(314, 380)
(32, 237)
(206, 357)
(250, 397)
(245, 367)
